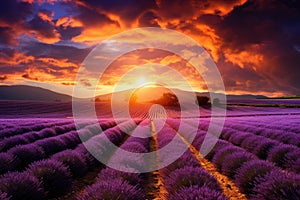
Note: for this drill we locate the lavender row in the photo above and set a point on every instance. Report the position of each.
(115, 184)
(283, 136)
(185, 178)
(289, 124)
(20, 156)
(256, 178)
(17, 127)
(54, 130)
(285, 131)
(30, 137)
(283, 155)
(51, 177)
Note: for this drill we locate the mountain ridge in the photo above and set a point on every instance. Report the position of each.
(25, 92)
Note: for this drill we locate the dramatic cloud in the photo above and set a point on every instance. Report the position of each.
(255, 43)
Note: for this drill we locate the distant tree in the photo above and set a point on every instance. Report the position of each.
(216, 102)
(167, 99)
(202, 100)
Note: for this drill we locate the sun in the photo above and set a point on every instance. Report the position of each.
(142, 81)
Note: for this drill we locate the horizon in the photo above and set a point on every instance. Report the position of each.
(153, 86)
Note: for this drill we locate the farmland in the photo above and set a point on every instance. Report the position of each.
(44, 153)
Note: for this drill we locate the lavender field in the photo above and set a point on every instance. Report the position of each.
(44, 156)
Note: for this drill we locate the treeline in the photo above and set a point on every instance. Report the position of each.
(170, 99)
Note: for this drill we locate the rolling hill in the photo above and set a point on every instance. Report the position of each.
(24, 92)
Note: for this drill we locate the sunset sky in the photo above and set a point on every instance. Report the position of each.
(255, 44)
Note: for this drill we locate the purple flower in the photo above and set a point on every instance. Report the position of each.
(56, 178)
(133, 162)
(71, 139)
(114, 134)
(142, 141)
(262, 149)
(107, 124)
(59, 130)
(226, 133)
(198, 140)
(112, 189)
(85, 134)
(277, 185)
(233, 162)
(27, 154)
(196, 192)
(4, 196)
(21, 186)
(47, 132)
(109, 174)
(31, 136)
(90, 160)
(188, 176)
(278, 154)
(219, 157)
(237, 138)
(219, 145)
(9, 162)
(8, 143)
(185, 160)
(291, 157)
(73, 160)
(294, 166)
(249, 172)
(14, 131)
(134, 147)
(251, 142)
(51, 145)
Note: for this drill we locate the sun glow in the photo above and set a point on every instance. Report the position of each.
(142, 81)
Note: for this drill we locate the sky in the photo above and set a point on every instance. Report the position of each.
(254, 43)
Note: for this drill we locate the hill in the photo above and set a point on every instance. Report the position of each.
(24, 92)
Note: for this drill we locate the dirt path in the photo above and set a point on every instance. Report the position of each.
(158, 191)
(229, 188)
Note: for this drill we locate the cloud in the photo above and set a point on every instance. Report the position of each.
(12, 57)
(178, 10)
(255, 37)
(254, 42)
(6, 36)
(149, 19)
(14, 12)
(43, 28)
(85, 83)
(41, 50)
(125, 12)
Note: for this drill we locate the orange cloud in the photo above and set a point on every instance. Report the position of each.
(16, 59)
(58, 62)
(48, 17)
(191, 10)
(93, 35)
(28, 1)
(48, 75)
(261, 56)
(68, 21)
(150, 57)
(244, 57)
(222, 8)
